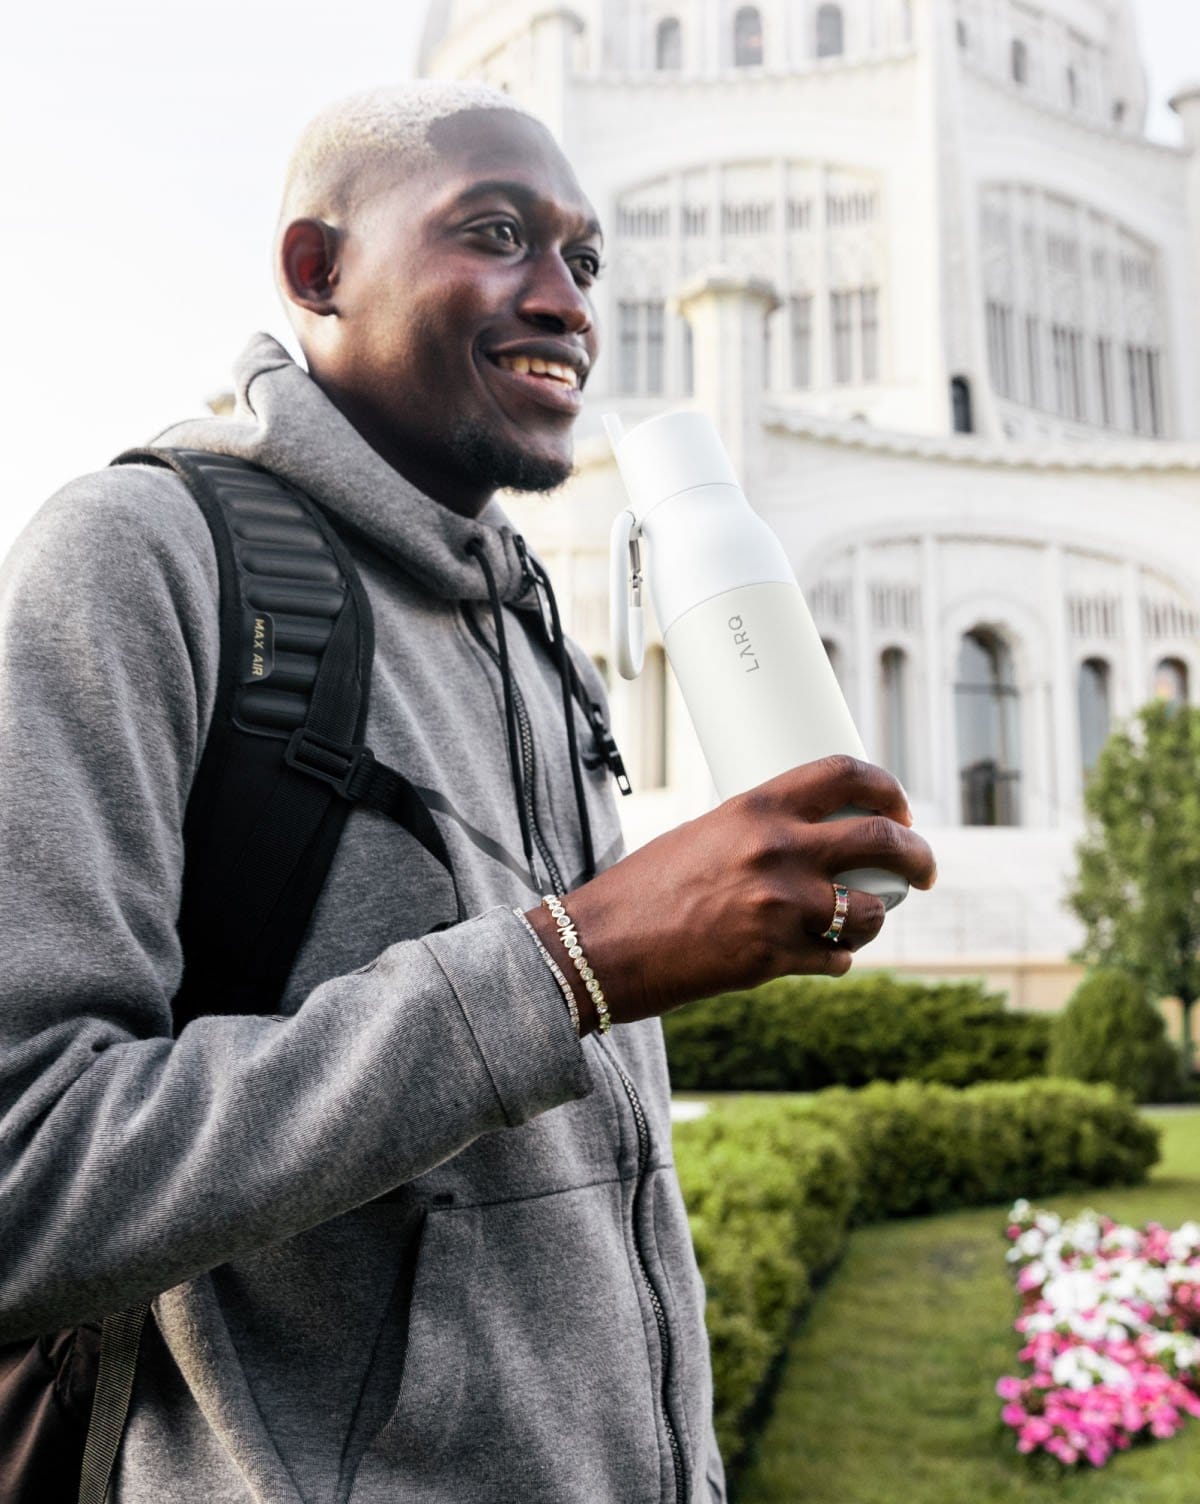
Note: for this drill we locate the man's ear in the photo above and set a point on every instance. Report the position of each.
(310, 263)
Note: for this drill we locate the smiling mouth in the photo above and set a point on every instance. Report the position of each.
(532, 365)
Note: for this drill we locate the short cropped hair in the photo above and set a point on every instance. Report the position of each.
(351, 144)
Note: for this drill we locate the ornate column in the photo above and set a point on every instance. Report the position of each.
(1136, 677)
(726, 310)
(865, 672)
(936, 772)
(1064, 699)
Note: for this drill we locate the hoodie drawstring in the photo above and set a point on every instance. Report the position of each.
(565, 666)
(567, 679)
(476, 549)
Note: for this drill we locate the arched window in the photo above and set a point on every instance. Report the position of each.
(893, 712)
(829, 31)
(1094, 712)
(987, 715)
(1019, 61)
(668, 46)
(747, 38)
(960, 405)
(1072, 88)
(1171, 681)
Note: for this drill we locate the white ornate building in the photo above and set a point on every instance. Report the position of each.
(943, 298)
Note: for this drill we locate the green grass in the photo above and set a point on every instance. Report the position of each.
(887, 1393)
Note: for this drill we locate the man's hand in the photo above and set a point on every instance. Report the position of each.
(742, 894)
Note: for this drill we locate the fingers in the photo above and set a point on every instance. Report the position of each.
(834, 958)
(864, 919)
(877, 841)
(817, 789)
(829, 960)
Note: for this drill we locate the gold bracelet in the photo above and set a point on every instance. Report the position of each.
(569, 936)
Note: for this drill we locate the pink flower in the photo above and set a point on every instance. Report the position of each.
(1097, 1319)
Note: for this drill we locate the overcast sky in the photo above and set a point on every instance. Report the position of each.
(143, 145)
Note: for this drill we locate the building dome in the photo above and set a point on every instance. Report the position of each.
(438, 20)
(969, 406)
(480, 25)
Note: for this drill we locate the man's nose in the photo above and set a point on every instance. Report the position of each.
(552, 298)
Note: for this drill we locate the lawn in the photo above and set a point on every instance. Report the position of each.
(887, 1393)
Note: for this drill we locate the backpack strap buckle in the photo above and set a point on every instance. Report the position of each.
(345, 768)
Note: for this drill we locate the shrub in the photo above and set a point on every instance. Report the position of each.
(920, 1149)
(769, 1192)
(1111, 1031)
(803, 1034)
(772, 1185)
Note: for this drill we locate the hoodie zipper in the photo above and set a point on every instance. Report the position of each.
(609, 752)
(656, 1305)
(635, 1103)
(525, 774)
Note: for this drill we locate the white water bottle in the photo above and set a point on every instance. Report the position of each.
(741, 640)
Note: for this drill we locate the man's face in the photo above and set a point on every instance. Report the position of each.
(453, 285)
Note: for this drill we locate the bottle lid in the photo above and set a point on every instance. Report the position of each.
(668, 454)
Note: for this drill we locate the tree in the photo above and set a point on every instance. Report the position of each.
(1138, 886)
(1111, 1031)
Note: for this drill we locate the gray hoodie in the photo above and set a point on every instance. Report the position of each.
(409, 1238)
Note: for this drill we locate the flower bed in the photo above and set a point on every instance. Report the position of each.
(1111, 1320)
(773, 1184)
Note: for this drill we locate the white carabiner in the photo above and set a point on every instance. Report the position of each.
(626, 623)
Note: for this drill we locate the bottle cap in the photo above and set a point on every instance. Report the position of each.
(668, 454)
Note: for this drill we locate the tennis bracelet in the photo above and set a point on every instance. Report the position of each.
(568, 995)
(569, 936)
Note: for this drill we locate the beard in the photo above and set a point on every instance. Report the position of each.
(503, 467)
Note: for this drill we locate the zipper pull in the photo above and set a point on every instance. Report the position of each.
(528, 578)
(530, 581)
(616, 764)
(608, 749)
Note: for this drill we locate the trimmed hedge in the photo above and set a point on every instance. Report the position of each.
(772, 1186)
(1111, 1031)
(804, 1033)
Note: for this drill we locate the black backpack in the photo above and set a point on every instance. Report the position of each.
(283, 764)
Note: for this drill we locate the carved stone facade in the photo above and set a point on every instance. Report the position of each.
(943, 299)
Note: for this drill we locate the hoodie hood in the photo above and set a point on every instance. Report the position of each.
(284, 422)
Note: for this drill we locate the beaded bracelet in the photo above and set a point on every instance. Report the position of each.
(569, 936)
(568, 994)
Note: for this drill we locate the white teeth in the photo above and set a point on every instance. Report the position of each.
(525, 364)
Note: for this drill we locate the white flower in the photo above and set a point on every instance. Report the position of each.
(1073, 1290)
(1184, 1240)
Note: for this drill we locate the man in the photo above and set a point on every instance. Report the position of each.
(417, 1235)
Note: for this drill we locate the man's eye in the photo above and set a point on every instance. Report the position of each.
(502, 230)
(590, 264)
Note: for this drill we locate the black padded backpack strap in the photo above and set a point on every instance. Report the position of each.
(284, 760)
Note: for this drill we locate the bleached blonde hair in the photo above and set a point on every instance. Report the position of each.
(378, 136)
